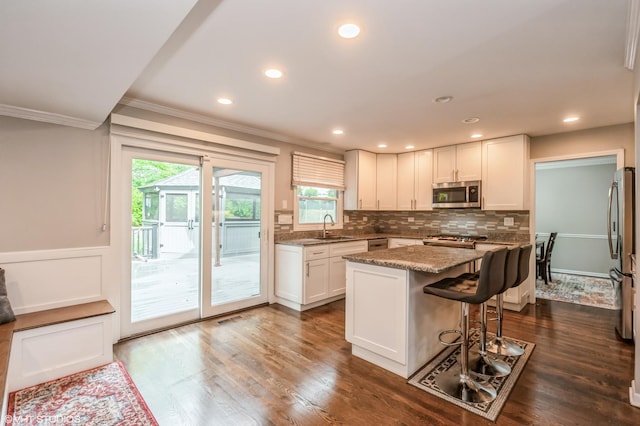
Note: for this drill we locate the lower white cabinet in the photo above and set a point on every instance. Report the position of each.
(311, 276)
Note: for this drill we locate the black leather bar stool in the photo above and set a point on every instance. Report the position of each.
(460, 384)
(499, 345)
(482, 362)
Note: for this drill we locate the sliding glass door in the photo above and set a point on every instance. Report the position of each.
(186, 261)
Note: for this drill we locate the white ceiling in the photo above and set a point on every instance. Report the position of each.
(520, 66)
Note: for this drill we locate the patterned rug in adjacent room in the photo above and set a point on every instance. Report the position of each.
(425, 379)
(101, 396)
(582, 290)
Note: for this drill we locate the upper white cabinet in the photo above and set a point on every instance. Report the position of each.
(505, 173)
(360, 180)
(457, 163)
(386, 178)
(415, 177)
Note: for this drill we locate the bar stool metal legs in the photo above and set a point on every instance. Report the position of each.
(499, 345)
(481, 363)
(460, 384)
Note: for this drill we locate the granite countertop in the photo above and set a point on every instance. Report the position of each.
(360, 237)
(350, 237)
(434, 259)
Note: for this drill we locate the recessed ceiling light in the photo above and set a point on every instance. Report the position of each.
(571, 119)
(409, 147)
(348, 30)
(338, 132)
(225, 101)
(382, 145)
(273, 73)
(476, 135)
(443, 99)
(470, 120)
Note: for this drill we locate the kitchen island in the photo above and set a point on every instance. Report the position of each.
(390, 322)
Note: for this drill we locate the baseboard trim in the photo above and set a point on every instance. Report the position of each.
(581, 273)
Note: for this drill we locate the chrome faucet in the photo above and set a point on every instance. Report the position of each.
(324, 224)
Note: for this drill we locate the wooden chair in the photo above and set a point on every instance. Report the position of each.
(543, 262)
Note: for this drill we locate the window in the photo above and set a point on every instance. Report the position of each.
(318, 183)
(177, 207)
(311, 204)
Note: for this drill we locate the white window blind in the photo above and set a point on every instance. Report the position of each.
(310, 170)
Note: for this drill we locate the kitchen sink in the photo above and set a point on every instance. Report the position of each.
(335, 237)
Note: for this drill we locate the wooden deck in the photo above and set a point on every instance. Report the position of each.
(168, 285)
(275, 366)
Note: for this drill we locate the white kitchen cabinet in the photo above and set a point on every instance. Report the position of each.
(505, 173)
(457, 163)
(386, 178)
(404, 242)
(415, 177)
(311, 276)
(360, 180)
(390, 322)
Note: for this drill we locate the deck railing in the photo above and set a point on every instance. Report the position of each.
(144, 242)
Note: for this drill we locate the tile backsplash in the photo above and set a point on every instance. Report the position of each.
(425, 223)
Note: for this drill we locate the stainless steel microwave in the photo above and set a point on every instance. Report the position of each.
(457, 195)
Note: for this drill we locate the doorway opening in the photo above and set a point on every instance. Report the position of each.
(570, 199)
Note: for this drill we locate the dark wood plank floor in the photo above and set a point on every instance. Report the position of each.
(272, 365)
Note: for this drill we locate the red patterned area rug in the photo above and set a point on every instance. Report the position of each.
(101, 396)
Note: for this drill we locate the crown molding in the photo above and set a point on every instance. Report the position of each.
(633, 33)
(228, 125)
(47, 117)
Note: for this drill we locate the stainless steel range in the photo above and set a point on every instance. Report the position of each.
(460, 241)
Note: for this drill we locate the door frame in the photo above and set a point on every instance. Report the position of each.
(173, 140)
(127, 328)
(619, 153)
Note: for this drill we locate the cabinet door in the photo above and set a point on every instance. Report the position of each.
(423, 180)
(505, 173)
(444, 164)
(407, 181)
(316, 280)
(387, 175)
(337, 276)
(289, 272)
(469, 161)
(360, 180)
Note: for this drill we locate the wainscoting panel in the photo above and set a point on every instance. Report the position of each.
(47, 353)
(49, 279)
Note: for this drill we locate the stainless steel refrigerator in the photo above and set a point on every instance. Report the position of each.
(621, 232)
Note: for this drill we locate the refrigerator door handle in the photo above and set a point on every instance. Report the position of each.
(614, 186)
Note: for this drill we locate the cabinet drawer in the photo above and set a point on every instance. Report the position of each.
(316, 252)
(341, 249)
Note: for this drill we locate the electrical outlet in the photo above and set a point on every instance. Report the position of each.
(508, 221)
(410, 219)
(364, 218)
(345, 218)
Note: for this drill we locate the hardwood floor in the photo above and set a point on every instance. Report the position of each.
(273, 365)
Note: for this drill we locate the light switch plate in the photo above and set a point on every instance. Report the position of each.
(508, 221)
(410, 219)
(345, 218)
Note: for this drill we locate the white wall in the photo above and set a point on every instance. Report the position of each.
(52, 186)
